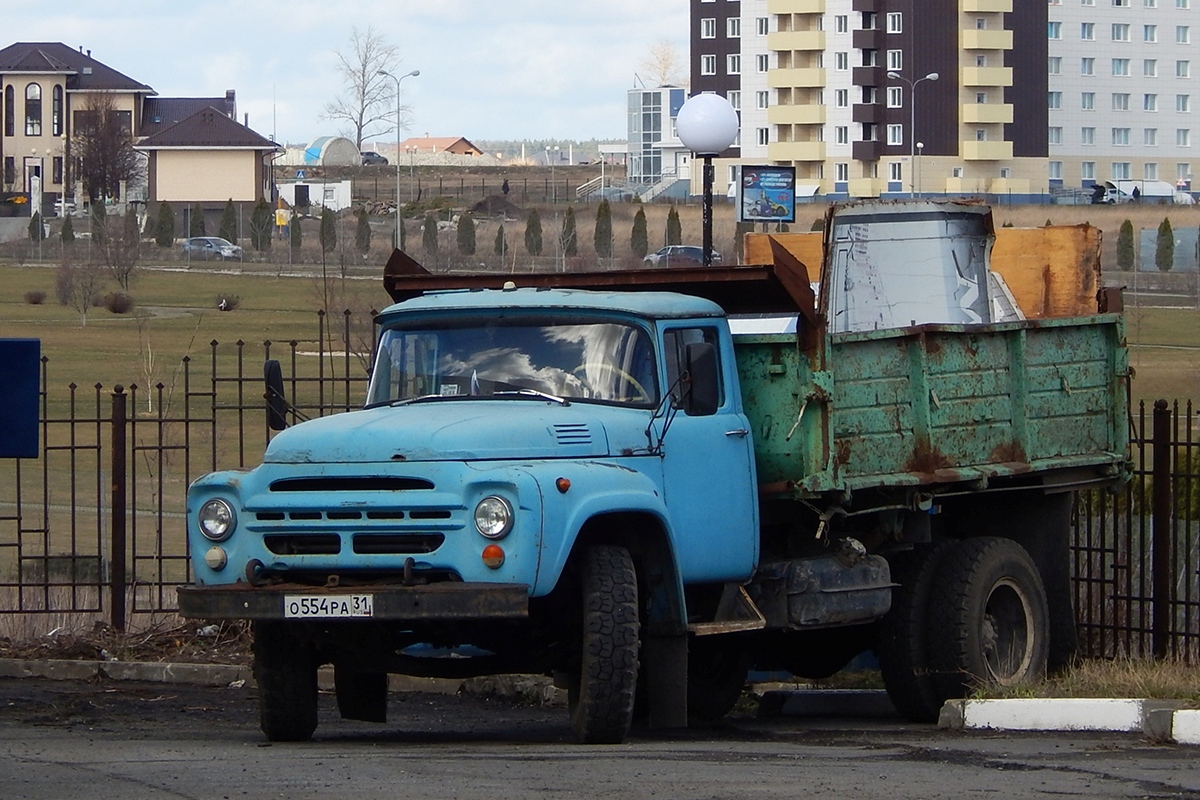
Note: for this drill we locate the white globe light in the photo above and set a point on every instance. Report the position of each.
(707, 123)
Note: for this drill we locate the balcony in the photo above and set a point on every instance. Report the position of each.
(866, 151)
(1009, 186)
(807, 114)
(867, 76)
(865, 187)
(987, 151)
(803, 78)
(867, 40)
(795, 6)
(986, 6)
(796, 40)
(867, 112)
(987, 76)
(987, 113)
(865, 5)
(974, 39)
(796, 151)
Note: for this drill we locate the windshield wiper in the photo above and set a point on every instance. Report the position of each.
(562, 401)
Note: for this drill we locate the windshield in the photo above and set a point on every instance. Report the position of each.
(600, 361)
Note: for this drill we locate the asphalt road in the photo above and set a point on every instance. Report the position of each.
(128, 740)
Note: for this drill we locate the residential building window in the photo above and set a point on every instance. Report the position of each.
(981, 97)
(762, 62)
(1120, 32)
(1122, 3)
(1149, 102)
(1087, 2)
(981, 61)
(1149, 33)
(1120, 101)
(1183, 4)
(1183, 137)
(1087, 101)
(895, 60)
(895, 134)
(981, 23)
(1054, 100)
(708, 28)
(1087, 31)
(1183, 69)
(10, 114)
(895, 97)
(841, 134)
(708, 65)
(981, 134)
(733, 64)
(762, 99)
(895, 22)
(1055, 170)
(841, 98)
(1121, 170)
(1087, 135)
(1120, 66)
(33, 110)
(735, 99)
(1087, 66)
(1150, 170)
(733, 28)
(895, 171)
(1054, 66)
(56, 168)
(1054, 30)
(1182, 34)
(1120, 137)
(1055, 135)
(956, 172)
(1087, 170)
(841, 61)
(763, 136)
(1183, 171)
(1150, 137)
(762, 25)
(1150, 67)
(1183, 103)
(56, 113)
(841, 172)
(870, 58)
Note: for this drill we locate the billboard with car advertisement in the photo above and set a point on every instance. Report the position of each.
(767, 194)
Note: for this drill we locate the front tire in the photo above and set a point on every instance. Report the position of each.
(286, 671)
(601, 699)
(988, 618)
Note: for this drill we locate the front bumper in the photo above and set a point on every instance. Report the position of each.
(438, 601)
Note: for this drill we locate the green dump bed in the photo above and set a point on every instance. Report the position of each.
(936, 405)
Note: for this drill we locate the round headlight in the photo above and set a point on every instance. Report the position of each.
(217, 520)
(493, 517)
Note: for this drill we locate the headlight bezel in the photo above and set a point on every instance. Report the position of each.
(210, 525)
(493, 517)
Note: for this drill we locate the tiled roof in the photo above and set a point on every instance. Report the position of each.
(83, 72)
(207, 128)
(439, 144)
(160, 113)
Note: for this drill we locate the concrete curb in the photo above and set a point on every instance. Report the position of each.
(1162, 720)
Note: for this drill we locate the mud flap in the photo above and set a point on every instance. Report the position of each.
(666, 678)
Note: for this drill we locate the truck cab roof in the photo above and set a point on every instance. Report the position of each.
(654, 305)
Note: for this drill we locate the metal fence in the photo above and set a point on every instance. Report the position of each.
(94, 528)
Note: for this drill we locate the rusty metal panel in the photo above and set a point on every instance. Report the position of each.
(1052, 271)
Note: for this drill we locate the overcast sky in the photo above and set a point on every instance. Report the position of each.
(490, 69)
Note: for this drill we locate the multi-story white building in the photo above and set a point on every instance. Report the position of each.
(1122, 91)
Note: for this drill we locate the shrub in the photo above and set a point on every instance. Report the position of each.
(67, 232)
(37, 231)
(118, 302)
(36, 297)
(228, 302)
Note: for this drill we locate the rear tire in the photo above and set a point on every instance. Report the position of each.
(286, 671)
(601, 699)
(988, 618)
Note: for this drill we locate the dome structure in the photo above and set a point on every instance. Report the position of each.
(332, 151)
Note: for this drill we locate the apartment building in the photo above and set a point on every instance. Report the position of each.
(1122, 91)
(844, 91)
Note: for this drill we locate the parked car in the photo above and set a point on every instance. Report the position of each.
(682, 255)
(370, 158)
(211, 248)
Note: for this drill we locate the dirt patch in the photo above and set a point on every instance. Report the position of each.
(497, 206)
(227, 643)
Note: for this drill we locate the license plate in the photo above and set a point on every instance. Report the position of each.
(323, 606)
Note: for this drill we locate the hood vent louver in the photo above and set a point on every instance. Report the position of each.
(573, 433)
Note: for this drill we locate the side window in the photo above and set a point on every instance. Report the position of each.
(675, 342)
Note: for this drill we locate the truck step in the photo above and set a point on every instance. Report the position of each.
(735, 612)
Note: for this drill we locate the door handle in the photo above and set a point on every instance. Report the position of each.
(739, 432)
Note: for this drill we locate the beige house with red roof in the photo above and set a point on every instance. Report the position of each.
(455, 145)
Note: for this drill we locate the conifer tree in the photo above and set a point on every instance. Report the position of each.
(674, 232)
(569, 236)
(37, 231)
(164, 225)
(639, 241)
(327, 233)
(196, 221)
(261, 220)
(500, 246)
(533, 233)
(295, 231)
(1125, 246)
(466, 235)
(228, 229)
(429, 235)
(67, 234)
(362, 231)
(602, 238)
(1164, 248)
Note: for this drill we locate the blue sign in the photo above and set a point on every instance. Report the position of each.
(767, 194)
(20, 386)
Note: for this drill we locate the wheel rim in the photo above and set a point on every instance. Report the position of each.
(1006, 635)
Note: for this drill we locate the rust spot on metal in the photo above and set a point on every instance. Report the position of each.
(1009, 453)
(842, 456)
(926, 459)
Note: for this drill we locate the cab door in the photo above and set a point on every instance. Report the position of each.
(708, 467)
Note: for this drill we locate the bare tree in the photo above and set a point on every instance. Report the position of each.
(103, 148)
(664, 65)
(370, 98)
(118, 246)
(78, 286)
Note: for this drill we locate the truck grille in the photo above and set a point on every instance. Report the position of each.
(287, 544)
(350, 484)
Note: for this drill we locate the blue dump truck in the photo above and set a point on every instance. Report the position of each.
(646, 483)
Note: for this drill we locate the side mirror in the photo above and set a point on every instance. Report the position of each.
(702, 393)
(276, 402)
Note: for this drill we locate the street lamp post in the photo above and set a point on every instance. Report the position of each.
(920, 153)
(912, 123)
(412, 171)
(412, 74)
(707, 125)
